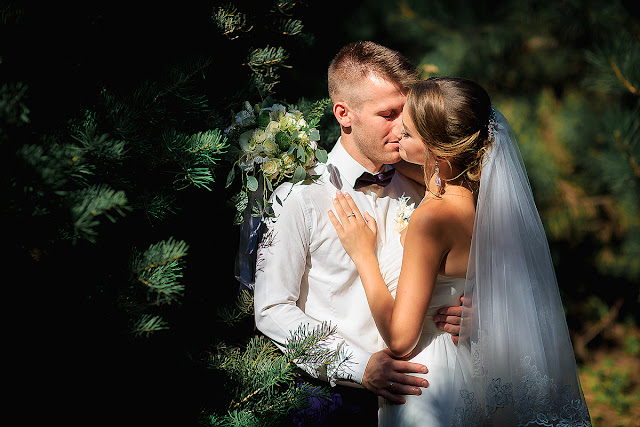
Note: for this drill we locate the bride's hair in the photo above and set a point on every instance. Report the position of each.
(452, 117)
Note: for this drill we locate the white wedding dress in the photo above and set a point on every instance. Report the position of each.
(515, 365)
(435, 349)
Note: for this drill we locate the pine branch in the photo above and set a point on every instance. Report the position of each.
(230, 21)
(160, 267)
(158, 207)
(57, 164)
(264, 64)
(285, 6)
(180, 77)
(242, 308)
(267, 58)
(615, 63)
(261, 372)
(198, 154)
(149, 324)
(102, 146)
(92, 202)
(622, 79)
(199, 177)
(289, 27)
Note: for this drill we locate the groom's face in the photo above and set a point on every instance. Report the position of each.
(374, 119)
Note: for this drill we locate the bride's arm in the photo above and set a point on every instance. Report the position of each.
(399, 322)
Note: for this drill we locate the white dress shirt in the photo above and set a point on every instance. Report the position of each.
(305, 277)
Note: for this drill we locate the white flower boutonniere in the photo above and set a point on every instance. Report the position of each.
(403, 213)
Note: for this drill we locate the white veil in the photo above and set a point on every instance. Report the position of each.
(516, 365)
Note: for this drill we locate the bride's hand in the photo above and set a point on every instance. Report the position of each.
(356, 232)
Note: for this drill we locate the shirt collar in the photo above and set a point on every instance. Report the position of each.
(349, 168)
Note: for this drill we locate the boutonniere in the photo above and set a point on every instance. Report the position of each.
(403, 213)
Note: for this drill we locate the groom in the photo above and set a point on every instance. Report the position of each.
(304, 276)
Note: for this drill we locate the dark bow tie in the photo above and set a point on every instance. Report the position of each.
(382, 179)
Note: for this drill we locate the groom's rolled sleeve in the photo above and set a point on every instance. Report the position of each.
(282, 268)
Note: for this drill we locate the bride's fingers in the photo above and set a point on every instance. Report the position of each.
(336, 223)
(348, 205)
(339, 207)
(351, 206)
(371, 222)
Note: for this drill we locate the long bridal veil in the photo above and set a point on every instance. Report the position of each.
(516, 365)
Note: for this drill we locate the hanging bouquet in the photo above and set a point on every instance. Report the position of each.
(271, 144)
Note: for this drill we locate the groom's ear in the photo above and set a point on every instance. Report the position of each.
(341, 113)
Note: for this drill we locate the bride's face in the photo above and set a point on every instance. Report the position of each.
(412, 147)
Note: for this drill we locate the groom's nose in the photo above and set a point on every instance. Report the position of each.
(396, 131)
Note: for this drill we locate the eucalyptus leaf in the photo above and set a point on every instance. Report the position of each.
(252, 183)
(321, 155)
(238, 219)
(300, 174)
(242, 200)
(230, 177)
(301, 155)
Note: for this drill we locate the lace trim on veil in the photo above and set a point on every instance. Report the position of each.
(534, 400)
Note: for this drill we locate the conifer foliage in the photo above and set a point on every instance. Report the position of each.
(111, 170)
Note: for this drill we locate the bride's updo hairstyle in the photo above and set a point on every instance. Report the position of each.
(452, 116)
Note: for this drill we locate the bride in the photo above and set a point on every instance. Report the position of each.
(476, 233)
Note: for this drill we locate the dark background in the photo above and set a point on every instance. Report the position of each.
(531, 59)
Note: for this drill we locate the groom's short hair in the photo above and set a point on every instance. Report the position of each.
(362, 59)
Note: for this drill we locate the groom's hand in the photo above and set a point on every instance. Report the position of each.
(448, 319)
(386, 377)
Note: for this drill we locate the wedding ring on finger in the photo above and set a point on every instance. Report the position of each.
(351, 214)
(390, 386)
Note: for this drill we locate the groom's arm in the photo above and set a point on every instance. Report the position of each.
(282, 259)
(281, 265)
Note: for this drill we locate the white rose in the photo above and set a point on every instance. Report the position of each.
(270, 147)
(288, 163)
(303, 138)
(288, 122)
(272, 128)
(259, 136)
(271, 167)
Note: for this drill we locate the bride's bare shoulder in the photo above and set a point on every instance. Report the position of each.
(438, 214)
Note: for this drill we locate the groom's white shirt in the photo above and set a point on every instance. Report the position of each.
(304, 275)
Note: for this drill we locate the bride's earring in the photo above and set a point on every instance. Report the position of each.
(437, 171)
